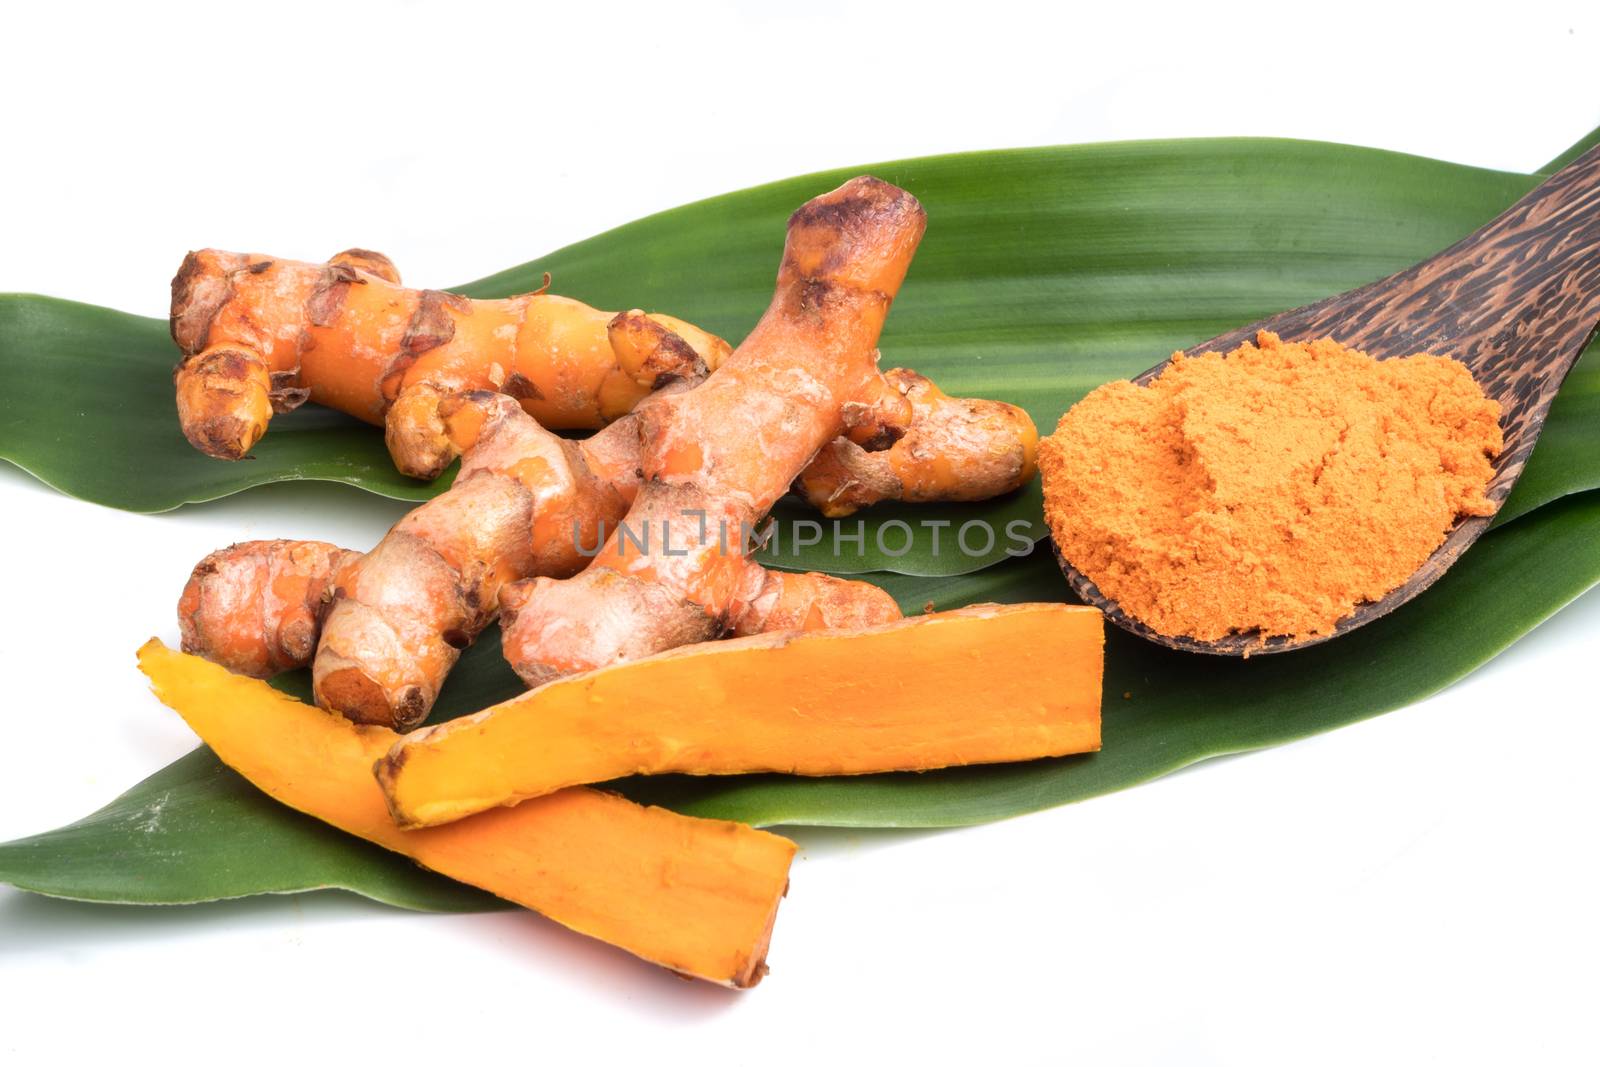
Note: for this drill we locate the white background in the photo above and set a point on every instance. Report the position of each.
(1418, 888)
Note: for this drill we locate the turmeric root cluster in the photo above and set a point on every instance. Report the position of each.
(591, 552)
(714, 459)
(603, 553)
(262, 335)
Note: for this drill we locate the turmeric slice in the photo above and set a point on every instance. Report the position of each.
(983, 684)
(698, 896)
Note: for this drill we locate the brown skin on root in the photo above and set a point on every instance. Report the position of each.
(387, 627)
(714, 459)
(524, 503)
(530, 505)
(955, 449)
(257, 607)
(261, 335)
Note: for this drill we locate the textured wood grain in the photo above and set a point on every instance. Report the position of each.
(1516, 301)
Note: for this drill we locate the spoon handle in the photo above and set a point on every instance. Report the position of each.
(1516, 301)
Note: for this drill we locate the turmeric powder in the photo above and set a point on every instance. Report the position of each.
(1270, 491)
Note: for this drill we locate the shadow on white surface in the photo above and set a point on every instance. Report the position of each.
(287, 502)
(538, 942)
(13, 479)
(844, 842)
(291, 501)
(46, 926)
(36, 923)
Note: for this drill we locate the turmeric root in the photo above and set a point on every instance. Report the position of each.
(696, 895)
(386, 628)
(260, 334)
(225, 617)
(524, 502)
(383, 630)
(715, 458)
(982, 684)
(257, 607)
(528, 504)
(955, 449)
(788, 601)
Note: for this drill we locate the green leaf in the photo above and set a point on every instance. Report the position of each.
(1182, 708)
(88, 409)
(1566, 459)
(1045, 272)
(197, 831)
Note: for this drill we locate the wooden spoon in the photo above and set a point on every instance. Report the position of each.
(1516, 301)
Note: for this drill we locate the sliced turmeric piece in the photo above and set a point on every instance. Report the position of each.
(696, 895)
(984, 684)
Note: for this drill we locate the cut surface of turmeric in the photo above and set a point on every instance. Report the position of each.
(982, 684)
(698, 896)
(1272, 490)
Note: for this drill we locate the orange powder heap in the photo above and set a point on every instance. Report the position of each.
(1272, 490)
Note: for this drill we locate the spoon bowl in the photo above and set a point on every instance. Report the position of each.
(1516, 302)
